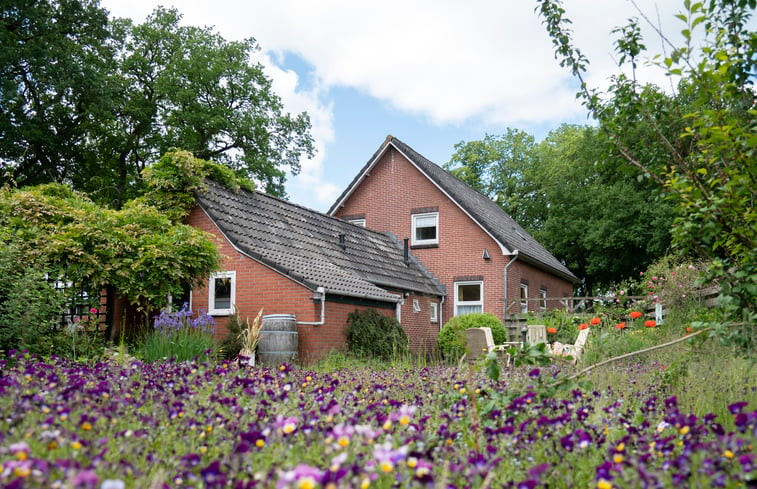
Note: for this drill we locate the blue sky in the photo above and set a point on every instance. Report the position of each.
(431, 73)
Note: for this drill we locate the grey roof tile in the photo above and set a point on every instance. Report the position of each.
(304, 245)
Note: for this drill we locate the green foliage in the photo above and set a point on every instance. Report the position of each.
(29, 305)
(231, 343)
(137, 250)
(452, 336)
(573, 194)
(184, 345)
(173, 181)
(698, 143)
(98, 100)
(371, 334)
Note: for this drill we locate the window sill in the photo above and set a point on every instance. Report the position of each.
(220, 312)
(422, 246)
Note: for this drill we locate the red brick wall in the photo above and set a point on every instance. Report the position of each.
(423, 334)
(395, 187)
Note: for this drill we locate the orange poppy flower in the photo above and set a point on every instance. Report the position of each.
(583, 326)
(635, 314)
(650, 323)
(551, 330)
(595, 321)
(689, 329)
(620, 325)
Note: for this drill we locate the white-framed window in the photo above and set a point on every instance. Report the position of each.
(425, 228)
(523, 297)
(434, 314)
(221, 293)
(543, 299)
(469, 297)
(357, 222)
(416, 306)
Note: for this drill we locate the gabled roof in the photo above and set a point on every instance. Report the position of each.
(510, 236)
(305, 245)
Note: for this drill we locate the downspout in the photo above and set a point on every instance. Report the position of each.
(441, 308)
(515, 257)
(398, 309)
(322, 292)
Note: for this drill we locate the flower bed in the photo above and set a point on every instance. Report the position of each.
(215, 425)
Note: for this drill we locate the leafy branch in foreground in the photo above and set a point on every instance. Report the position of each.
(697, 143)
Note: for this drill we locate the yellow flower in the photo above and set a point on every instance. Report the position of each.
(260, 443)
(306, 483)
(289, 427)
(412, 462)
(365, 484)
(21, 456)
(603, 484)
(728, 454)
(617, 458)
(22, 471)
(621, 446)
(343, 441)
(404, 420)
(684, 430)
(86, 426)
(76, 445)
(387, 425)
(386, 466)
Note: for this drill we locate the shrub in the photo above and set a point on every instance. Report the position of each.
(452, 336)
(374, 335)
(178, 336)
(29, 305)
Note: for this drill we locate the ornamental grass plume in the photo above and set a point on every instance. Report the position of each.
(250, 335)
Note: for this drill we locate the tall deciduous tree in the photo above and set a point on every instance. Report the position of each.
(567, 190)
(53, 90)
(709, 164)
(119, 95)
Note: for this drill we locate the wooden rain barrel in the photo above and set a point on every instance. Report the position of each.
(278, 339)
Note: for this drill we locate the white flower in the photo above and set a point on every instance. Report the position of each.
(113, 484)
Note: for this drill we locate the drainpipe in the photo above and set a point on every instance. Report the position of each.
(515, 257)
(441, 308)
(322, 292)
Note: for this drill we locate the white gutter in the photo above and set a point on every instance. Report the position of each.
(322, 292)
(515, 257)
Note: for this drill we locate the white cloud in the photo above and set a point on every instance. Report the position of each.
(450, 62)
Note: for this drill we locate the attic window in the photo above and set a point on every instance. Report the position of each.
(357, 222)
(425, 228)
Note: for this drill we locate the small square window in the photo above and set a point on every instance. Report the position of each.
(357, 222)
(221, 293)
(434, 314)
(425, 228)
(416, 306)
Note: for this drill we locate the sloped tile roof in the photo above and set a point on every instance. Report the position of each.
(490, 216)
(304, 245)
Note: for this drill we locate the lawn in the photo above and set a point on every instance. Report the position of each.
(675, 418)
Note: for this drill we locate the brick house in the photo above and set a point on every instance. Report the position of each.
(287, 259)
(486, 261)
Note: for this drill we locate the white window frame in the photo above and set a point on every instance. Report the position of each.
(523, 293)
(543, 299)
(357, 222)
(459, 303)
(434, 312)
(212, 310)
(414, 220)
(416, 305)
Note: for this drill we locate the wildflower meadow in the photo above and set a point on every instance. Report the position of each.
(215, 424)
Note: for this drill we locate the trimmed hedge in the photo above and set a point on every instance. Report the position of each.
(371, 334)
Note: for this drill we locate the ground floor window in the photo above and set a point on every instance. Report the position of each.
(543, 299)
(221, 293)
(434, 314)
(523, 297)
(469, 297)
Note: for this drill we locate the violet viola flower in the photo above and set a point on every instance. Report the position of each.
(304, 475)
